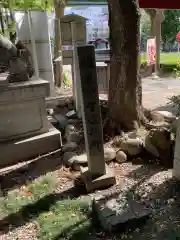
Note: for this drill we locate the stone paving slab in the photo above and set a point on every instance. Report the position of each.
(119, 212)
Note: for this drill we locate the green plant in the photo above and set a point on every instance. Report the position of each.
(175, 101)
(176, 70)
(66, 80)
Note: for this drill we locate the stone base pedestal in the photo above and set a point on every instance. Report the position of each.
(21, 150)
(102, 182)
(23, 110)
(24, 128)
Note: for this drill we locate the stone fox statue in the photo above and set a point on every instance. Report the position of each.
(16, 59)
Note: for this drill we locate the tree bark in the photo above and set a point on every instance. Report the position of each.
(125, 89)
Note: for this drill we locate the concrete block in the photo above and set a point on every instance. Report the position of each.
(101, 182)
(27, 148)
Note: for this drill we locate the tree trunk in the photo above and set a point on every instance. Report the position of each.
(59, 12)
(125, 89)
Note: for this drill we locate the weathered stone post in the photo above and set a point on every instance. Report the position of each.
(97, 175)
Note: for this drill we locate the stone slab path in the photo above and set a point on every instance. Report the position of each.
(156, 92)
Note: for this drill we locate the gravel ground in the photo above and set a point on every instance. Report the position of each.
(150, 184)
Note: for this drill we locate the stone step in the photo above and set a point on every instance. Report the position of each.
(21, 150)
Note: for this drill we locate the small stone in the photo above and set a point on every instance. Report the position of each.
(69, 158)
(168, 116)
(109, 154)
(170, 201)
(121, 157)
(73, 137)
(158, 143)
(156, 117)
(63, 122)
(150, 147)
(132, 135)
(81, 159)
(70, 129)
(71, 114)
(50, 111)
(70, 147)
(132, 147)
(52, 120)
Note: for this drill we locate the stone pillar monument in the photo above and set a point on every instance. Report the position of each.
(97, 175)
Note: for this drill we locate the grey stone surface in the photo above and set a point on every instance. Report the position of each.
(70, 147)
(158, 143)
(121, 157)
(109, 154)
(101, 182)
(119, 211)
(27, 148)
(60, 100)
(132, 146)
(71, 114)
(62, 121)
(22, 110)
(73, 137)
(69, 158)
(168, 116)
(69, 129)
(50, 111)
(81, 159)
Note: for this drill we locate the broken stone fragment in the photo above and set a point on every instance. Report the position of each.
(121, 157)
(71, 114)
(119, 212)
(156, 117)
(158, 143)
(168, 116)
(50, 111)
(70, 147)
(73, 137)
(132, 147)
(62, 121)
(71, 158)
(109, 154)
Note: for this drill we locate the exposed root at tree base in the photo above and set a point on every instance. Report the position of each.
(112, 128)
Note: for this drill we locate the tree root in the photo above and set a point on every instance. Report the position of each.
(113, 128)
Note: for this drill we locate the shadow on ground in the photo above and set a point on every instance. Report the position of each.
(163, 199)
(30, 171)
